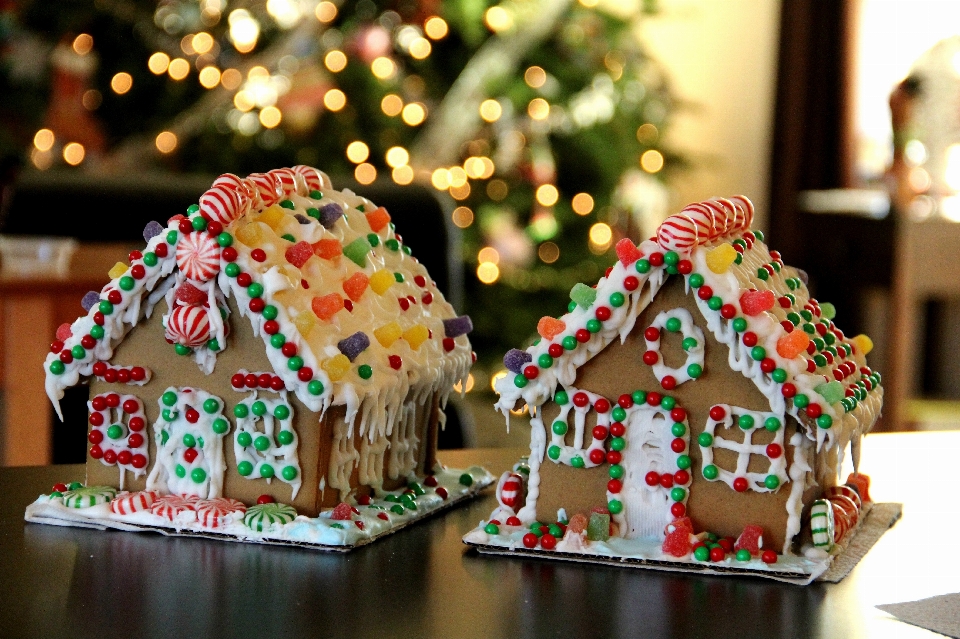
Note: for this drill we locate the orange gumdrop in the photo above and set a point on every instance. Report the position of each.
(378, 219)
(792, 344)
(578, 523)
(355, 285)
(327, 306)
(327, 249)
(549, 327)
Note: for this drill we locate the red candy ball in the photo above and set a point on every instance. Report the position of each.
(136, 424)
(631, 283)
(666, 480)
(131, 406)
(237, 381)
(95, 437)
(189, 455)
(599, 432)
(548, 542)
(514, 521)
(717, 554)
(289, 349)
(96, 419)
(749, 339)
(277, 384)
(651, 334)
(597, 456)
(603, 313)
(110, 457)
(614, 457)
(192, 416)
(96, 452)
(677, 509)
(531, 372)
(678, 414)
(602, 405)
(617, 429)
(614, 486)
(769, 557)
(652, 478)
(555, 350)
(395, 362)
(265, 499)
(740, 484)
(138, 461)
(669, 382)
(271, 327)
(651, 357)
(99, 403)
(229, 254)
(681, 477)
(113, 400)
(135, 440)
(625, 401)
(774, 451)
(530, 540)
(580, 400)
(258, 255)
(582, 335)
(125, 457)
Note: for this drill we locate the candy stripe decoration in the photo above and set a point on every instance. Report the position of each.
(510, 490)
(822, 525)
(312, 179)
(89, 496)
(223, 203)
(198, 256)
(189, 325)
(174, 506)
(128, 503)
(702, 218)
(266, 188)
(747, 206)
(262, 516)
(677, 233)
(286, 180)
(214, 513)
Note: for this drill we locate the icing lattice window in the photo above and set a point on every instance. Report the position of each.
(117, 433)
(265, 443)
(769, 456)
(680, 321)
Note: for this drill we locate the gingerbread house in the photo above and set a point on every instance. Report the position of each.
(697, 385)
(276, 349)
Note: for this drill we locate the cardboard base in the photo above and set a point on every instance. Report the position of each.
(318, 533)
(638, 554)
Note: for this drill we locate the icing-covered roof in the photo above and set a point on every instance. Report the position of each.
(346, 314)
(778, 336)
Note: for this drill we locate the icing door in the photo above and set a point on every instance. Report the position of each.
(646, 509)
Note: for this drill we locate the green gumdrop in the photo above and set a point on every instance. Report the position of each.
(357, 251)
(598, 529)
(582, 294)
(828, 310)
(832, 392)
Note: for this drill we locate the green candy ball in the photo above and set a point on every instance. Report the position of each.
(746, 422)
(189, 441)
(241, 411)
(743, 555)
(673, 325)
(569, 342)
(266, 471)
(115, 431)
(615, 506)
(259, 408)
(285, 437)
(220, 426)
(561, 398)
(559, 428)
(315, 387)
(577, 462)
(180, 471)
(244, 439)
(261, 443)
(491, 529)
(771, 482)
(281, 412)
(466, 479)
(617, 300)
(211, 406)
(696, 280)
(705, 440)
(198, 475)
(710, 472)
(554, 452)
(702, 553)
(365, 371)
(289, 473)
(245, 468)
(169, 398)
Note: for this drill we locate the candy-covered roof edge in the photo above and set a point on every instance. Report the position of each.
(690, 244)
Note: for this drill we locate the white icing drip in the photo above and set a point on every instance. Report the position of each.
(278, 455)
(538, 447)
(799, 469)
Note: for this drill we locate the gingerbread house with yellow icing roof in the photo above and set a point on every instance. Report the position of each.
(277, 345)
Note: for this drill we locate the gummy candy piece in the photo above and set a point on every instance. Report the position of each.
(118, 269)
(354, 345)
(860, 483)
(388, 334)
(305, 322)
(583, 295)
(336, 367)
(90, 299)
(628, 252)
(677, 542)
(832, 392)
(342, 512)
(250, 234)
(64, 332)
(299, 253)
(756, 302)
(303, 219)
(515, 360)
(329, 214)
(357, 251)
(863, 343)
(720, 258)
(750, 539)
(828, 310)
(378, 219)
(328, 249)
(381, 281)
(190, 295)
(416, 335)
(327, 306)
(680, 522)
(578, 523)
(272, 217)
(550, 327)
(599, 527)
(457, 326)
(792, 344)
(151, 230)
(355, 285)
(804, 277)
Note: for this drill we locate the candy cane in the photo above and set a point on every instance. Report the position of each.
(702, 217)
(266, 188)
(313, 180)
(223, 203)
(747, 205)
(286, 179)
(677, 233)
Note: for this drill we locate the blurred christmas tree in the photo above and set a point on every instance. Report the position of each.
(542, 119)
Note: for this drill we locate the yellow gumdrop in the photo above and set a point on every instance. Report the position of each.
(863, 343)
(381, 281)
(118, 269)
(272, 216)
(388, 334)
(720, 258)
(336, 367)
(250, 234)
(305, 322)
(416, 335)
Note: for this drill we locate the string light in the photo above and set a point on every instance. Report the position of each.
(488, 254)
(435, 27)
(461, 192)
(397, 156)
(92, 99)
(651, 161)
(647, 134)
(383, 68)
(121, 82)
(497, 190)
(209, 77)
(74, 153)
(285, 12)
(43, 139)
(231, 79)
(270, 117)
(83, 44)
(420, 48)
(474, 167)
(470, 384)
(334, 100)
(440, 179)
(186, 44)
(391, 105)
(244, 30)
(325, 11)
(42, 160)
(582, 203)
(490, 110)
(600, 236)
(543, 226)
(335, 60)
(535, 77)
(357, 152)
(243, 101)
(547, 194)
(402, 175)
(258, 73)
(458, 177)
(166, 142)
(549, 252)
(413, 114)
(202, 42)
(158, 63)
(178, 69)
(365, 173)
(488, 272)
(538, 109)
(498, 19)
(462, 217)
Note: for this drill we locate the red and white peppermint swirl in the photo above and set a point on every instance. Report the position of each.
(198, 256)
(747, 205)
(266, 188)
(703, 222)
(129, 503)
(189, 326)
(702, 217)
(213, 513)
(677, 233)
(222, 203)
(286, 179)
(510, 490)
(172, 506)
(311, 177)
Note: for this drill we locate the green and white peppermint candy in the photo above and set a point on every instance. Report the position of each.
(88, 496)
(263, 516)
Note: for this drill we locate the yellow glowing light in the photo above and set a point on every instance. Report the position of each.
(74, 153)
(391, 104)
(496, 377)
(186, 44)
(534, 77)
(121, 82)
(538, 109)
(488, 254)
(178, 69)
(42, 160)
(462, 217)
(231, 79)
(440, 179)
(335, 99)
(166, 142)
(498, 19)
(44, 139)
(335, 60)
(549, 252)
(326, 11)
(244, 30)
(402, 174)
(470, 384)
(488, 167)
(209, 77)
(490, 110)
(647, 134)
(458, 177)
(357, 152)
(589, 3)
(601, 234)
(91, 99)
(582, 203)
(436, 28)
(547, 194)
(614, 63)
(365, 173)
(202, 42)
(920, 180)
(258, 74)
(83, 44)
(397, 156)
(461, 192)
(651, 161)
(383, 68)
(413, 114)
(270, 117)
(952, 172)
(488, 272)
(497, 190)
(158, 63)
(420, 48)
(243, 101)
(474, 167)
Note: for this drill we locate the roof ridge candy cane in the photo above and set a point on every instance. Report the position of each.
(312, 179)
(702, 216)
(266, 188)
(744, 201)
(286, 180)
(721, 217)
(677, 233)
(225, 201)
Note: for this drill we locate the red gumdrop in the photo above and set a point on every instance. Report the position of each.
(628, 252)
(299, 253)
(190, 295)
(756, 302)
(677, 543)
(750, 539)
(342, 512)
(64, 332)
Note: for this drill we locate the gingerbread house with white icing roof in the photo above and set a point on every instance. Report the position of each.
(278, 344)
(697, 384)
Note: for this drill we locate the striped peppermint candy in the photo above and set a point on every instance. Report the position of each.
(744, 202)
(172, 506)
(510, 490)
(677, 233)
(722, 221)
(198, 256)
(188, 325)
(213, 513)
(266, 188)
(129, 503)
(222, 203)
(286, 179)
(313, 179)
(702, 217)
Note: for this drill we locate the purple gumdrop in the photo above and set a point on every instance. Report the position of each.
(803, 276)
(457, 326)
(303, 219)
(151, 230)
(515, 359)
(90, 299)
(354, 345)
(330, 213)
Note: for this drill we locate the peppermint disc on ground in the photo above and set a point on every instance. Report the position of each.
(286, 179)
(171, 506)
(213, 513)
(128, 503)
(222, 203)
(266, 188)
(88, 496)
(677, 233)
(188, 325)
(262, 516)
(198, 256)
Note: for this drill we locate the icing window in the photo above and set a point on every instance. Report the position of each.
(265, 444)
(572, 423)
(759, 467)
(679, 321)
(118, 433)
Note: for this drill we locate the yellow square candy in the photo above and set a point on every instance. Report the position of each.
(388, 334)
(272, 216)
(305, 322)
(416, 335)
(250, 234)
(381, 281)
(118, 269)
(863, 343)
(720, 258)
(336, 367)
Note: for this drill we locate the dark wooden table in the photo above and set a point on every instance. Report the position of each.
(422, 582)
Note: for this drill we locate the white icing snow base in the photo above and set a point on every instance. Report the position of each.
(320, 533)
